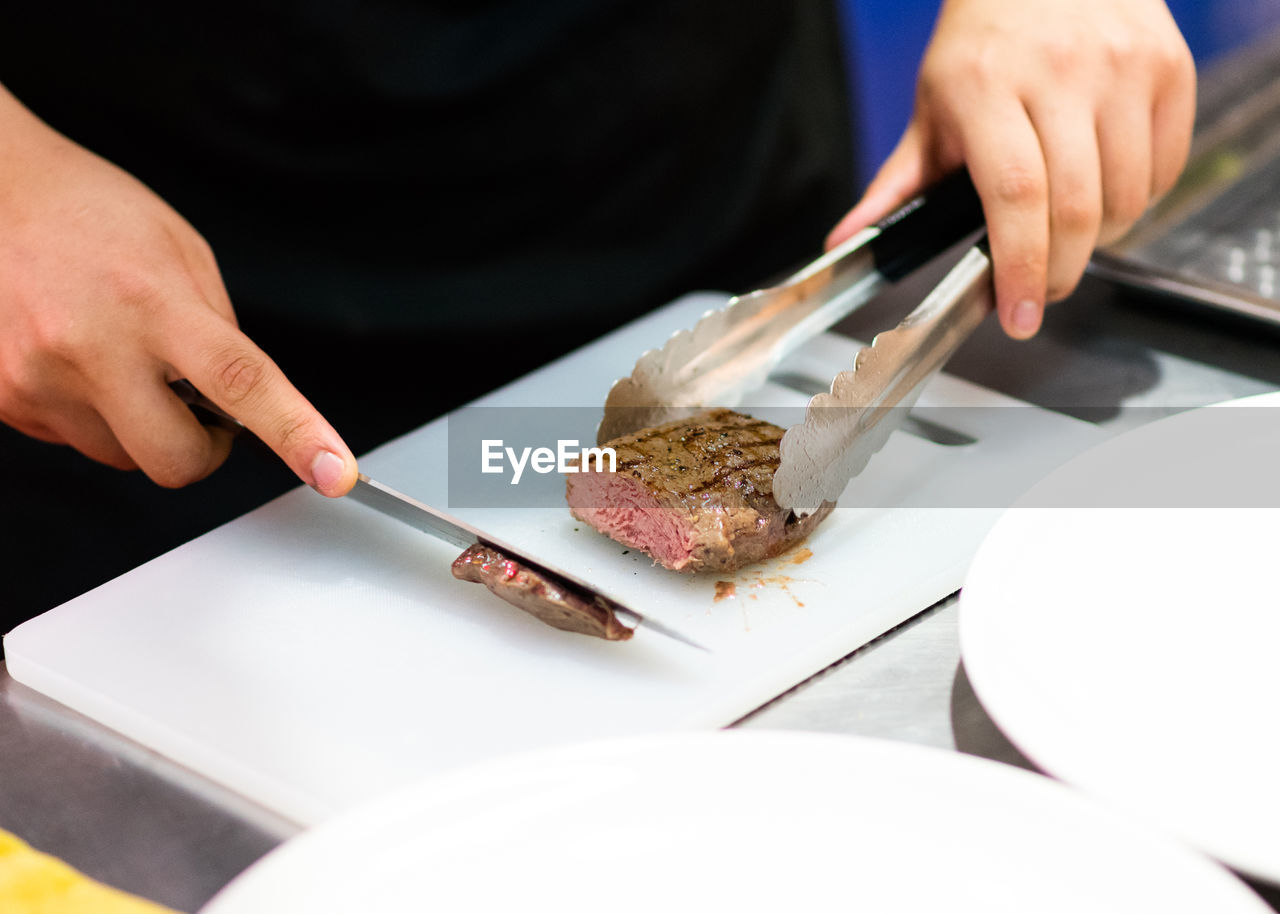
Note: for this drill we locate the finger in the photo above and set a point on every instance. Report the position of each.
(1125, 155)
(204, 271)
(24, 421)
(234, 373)
(1172, 122)
(73, 423)
(202, 266)
(1069, 140)
(159, 432)
(902, 176)
(1003, 154)
(81, 427)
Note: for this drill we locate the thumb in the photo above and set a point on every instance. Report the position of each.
(903, 175)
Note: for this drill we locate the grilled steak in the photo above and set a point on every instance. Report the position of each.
(524, 588)
(696, 494)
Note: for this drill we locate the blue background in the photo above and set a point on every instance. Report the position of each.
(886, 39)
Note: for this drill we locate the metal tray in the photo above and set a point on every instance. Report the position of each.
(1215, 238)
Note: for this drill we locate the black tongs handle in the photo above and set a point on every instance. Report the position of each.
(927, 225)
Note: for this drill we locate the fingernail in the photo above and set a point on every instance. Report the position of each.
(327, 470)
(1026, 317)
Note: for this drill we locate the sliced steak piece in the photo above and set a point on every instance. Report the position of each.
(696, 494)
(524, 588)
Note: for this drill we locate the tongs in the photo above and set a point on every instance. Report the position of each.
(732, 350)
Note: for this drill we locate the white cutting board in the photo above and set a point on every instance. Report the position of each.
(313, 654)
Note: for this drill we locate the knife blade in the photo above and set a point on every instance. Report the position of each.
(423, 517)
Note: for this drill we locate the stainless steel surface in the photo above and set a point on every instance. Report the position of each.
(1215, 238)
(909, 685)
(844, 428)
(420, 516)
(118, 812)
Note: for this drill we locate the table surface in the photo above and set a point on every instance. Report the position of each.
(129, 817)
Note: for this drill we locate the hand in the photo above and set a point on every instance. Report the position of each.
(1071, 117)
(106, 295)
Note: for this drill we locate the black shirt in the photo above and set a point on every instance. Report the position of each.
(409, 164)
(522, 175)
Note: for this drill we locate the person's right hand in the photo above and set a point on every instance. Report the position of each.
(106, 296)
(1071, 118)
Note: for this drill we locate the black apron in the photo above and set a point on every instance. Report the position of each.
(513, 178)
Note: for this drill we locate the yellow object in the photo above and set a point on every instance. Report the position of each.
(35, 883)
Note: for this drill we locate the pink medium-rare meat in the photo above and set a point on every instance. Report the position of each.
(524, 588)
(695, 494)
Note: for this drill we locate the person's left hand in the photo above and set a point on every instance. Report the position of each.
(1071, 118)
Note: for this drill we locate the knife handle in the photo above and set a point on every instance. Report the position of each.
(927, 225)
(206, 411)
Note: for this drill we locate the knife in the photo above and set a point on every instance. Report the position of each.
(423, 517)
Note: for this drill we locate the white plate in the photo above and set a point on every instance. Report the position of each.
(733, 821)
(1135, 651)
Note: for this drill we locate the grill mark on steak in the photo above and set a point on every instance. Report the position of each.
(679, 467)
(644, 436)
(695, 494)
(722, 473)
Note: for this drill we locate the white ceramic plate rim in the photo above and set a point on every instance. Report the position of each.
(1058, 741)
(1071, 824)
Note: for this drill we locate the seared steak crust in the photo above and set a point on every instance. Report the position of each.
(526, 589)
(696, 493)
